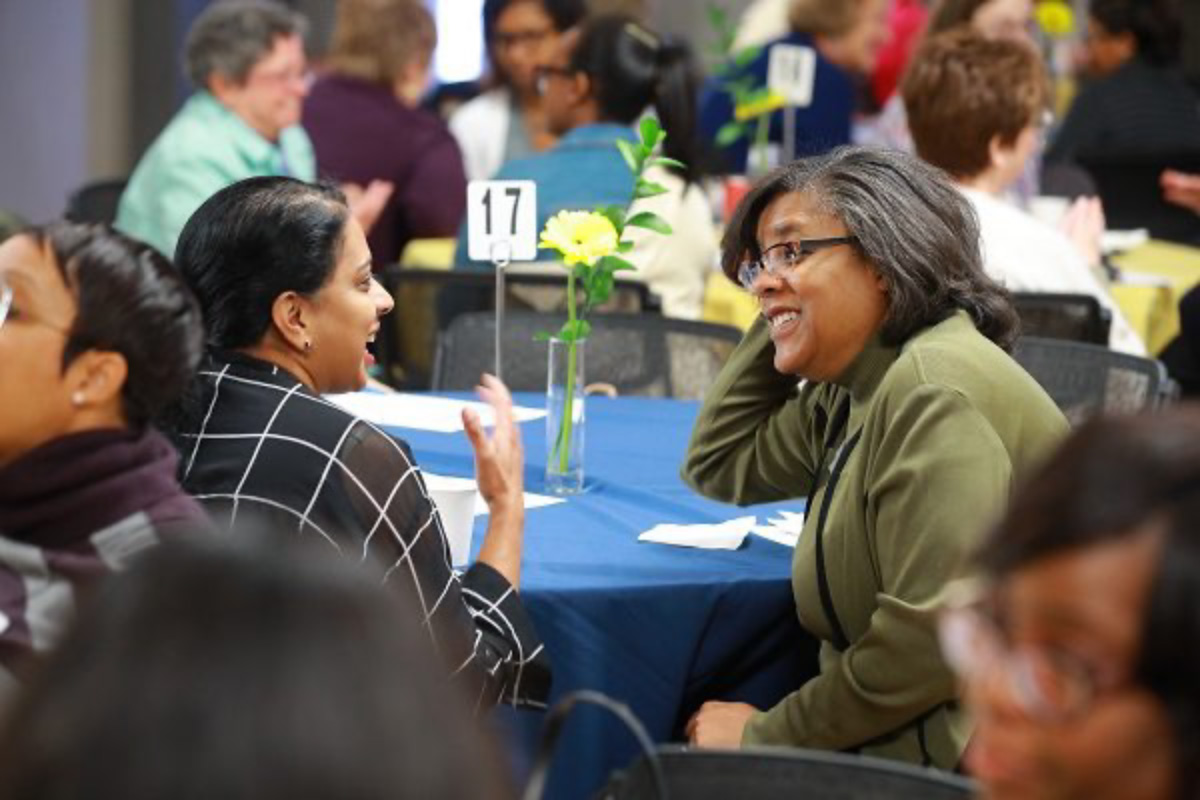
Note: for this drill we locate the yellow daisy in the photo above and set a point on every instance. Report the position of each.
(583, 237)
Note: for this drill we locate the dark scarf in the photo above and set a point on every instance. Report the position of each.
(60, 493)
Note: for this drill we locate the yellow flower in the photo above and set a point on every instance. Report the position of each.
(1055, 18)
(772, 101)
(583, 237)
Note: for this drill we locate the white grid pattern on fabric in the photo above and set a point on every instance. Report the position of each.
(484, 613)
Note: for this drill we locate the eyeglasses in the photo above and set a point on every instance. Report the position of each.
(543, 72)
(6, 297)
(511, 41)
(1047, 685)
(778, 259)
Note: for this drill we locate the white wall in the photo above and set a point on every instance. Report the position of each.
(44, 121)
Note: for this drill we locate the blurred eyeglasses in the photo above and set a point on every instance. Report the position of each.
(544, 72)
(6, 296)
(503, 40)
(778, 259)
(1049, 685)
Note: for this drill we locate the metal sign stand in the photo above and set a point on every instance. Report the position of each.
(501, 258)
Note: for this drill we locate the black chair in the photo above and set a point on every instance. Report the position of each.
(428, 300)
(768, 774)
(1077, 317)
(1132, 195)
(96, 201)
(636, 354)
(1087, 379)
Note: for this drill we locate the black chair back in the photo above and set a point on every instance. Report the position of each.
(428, 300)
(1132, 195)
(1087, 379)
(96, 201)
(1076, 317)
(769, 774)
(637, 354)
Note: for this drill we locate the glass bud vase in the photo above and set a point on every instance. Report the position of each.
(565, 417)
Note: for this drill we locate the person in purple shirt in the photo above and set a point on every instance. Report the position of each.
(363, 119)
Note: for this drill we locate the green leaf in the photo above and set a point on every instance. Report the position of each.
(652, 133)
(600, 286)
(632, 158)
(615, 215)
(645, 188)
(663, 161)
(574, 331)
(542, 336)
(729, 133)
(616, 264)
(624, 247)
(743, 57)
(650, 221)
(585, 328)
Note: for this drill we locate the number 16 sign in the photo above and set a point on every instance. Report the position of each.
(502, 221)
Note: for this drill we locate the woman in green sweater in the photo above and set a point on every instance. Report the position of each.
(908, 431)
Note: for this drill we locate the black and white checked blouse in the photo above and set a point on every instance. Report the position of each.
(265, 447)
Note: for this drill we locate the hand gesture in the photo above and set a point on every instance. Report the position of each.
(367, 204)
(1083, 225)
(1181, 189)
(499, 460)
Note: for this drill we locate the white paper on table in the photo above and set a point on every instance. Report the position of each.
(440, 414)
(450, 482)
(720, 536)
(1119, 241)
(784, 529)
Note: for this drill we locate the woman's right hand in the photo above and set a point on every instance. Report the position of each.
(499, 459)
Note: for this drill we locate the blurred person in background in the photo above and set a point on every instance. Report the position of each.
(98, 335)
(992, 19)
(601, 78)
(366, 125)
(508, 120)
(847, 36)
(245, 669)
(246, 60)
(1136, 101)
(1076, 642)
(976, 108)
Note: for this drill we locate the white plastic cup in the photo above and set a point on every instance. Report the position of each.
(455, 501)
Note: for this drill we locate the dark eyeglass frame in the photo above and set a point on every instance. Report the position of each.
(791, 255)
(543, 72)
(507, 41)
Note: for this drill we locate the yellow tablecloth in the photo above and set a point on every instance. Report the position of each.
(1152, 310)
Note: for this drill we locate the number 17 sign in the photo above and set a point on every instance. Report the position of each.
(502, 221)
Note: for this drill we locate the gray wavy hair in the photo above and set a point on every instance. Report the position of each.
(231, 36)
(914, 229)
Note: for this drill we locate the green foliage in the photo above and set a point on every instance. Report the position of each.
(650, 221)
(742, 88)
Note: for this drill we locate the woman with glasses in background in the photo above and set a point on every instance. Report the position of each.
(1077, 648)
(908, 429)
(508, 120)
(98, 334)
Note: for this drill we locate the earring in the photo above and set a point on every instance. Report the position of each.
(77, 399)
(307, 345)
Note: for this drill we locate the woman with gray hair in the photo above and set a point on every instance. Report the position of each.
(908, 430)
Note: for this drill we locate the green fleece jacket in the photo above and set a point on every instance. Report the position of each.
(948, 424)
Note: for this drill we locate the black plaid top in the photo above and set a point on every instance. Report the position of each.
(267, 447)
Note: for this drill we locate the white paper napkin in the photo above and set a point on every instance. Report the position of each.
(784, 529)
(720, 536)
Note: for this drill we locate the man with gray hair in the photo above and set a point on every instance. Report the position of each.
(246, 60)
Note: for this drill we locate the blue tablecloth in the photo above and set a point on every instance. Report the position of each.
(660, 628)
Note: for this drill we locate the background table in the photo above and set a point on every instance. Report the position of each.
(660, 628)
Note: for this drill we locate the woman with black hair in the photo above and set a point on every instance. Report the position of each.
(601, 78)
(1077, 644)
(909, 427)
(283, 276)
(508, 121)
(1137, 101)
(97, 336)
